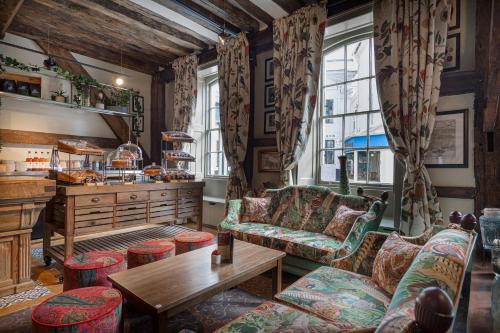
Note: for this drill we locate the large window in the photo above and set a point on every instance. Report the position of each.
(216, 163)
(349, 119)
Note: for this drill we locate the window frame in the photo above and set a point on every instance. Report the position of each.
(208, 82)
(334, 43)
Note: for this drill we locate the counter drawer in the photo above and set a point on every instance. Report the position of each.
(190, 192)
(128, 197)
(92, 200)
(162, 195)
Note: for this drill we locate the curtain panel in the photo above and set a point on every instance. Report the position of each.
(234, 91)
(410, 42)
(185, 90)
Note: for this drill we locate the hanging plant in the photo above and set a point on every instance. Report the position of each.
(82, 84)
(12, 62)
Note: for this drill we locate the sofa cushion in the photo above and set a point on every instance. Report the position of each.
(342, 222)
(442, 263)
(392, 261)
(274, 317)
(348, 300)
(309, 245)
(255, 210)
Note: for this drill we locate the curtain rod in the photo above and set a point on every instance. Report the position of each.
(62, 58)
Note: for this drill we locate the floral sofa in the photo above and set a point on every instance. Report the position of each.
(331, 299)
(298, 215)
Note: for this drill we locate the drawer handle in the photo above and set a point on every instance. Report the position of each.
(189, 192)
(95, 199)
(133, 197)
(163, 194)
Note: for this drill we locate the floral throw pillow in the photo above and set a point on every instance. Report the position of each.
(255, 210)
(342, 222)
(392, 261)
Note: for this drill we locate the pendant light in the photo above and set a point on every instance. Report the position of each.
(50, 62)
(119, 80)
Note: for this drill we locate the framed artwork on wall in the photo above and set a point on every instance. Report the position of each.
(269, 66)
(455, 15)
(269, 122)
(138, 124)
(269, 96)
(452, 56)
(449, 143)
(138, 104)
(269, 160)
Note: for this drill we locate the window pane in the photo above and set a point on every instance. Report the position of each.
(372, 57)
(330, 167)
(213, 167)
(358, 60)
(358, 96)
(214, 95)
(355, 132)
(214, 118)
(333, 100)
(361, 165)
(375, 103)
(381, 166)
(333, 67)
(215, 143)
(376, 131)
(332, 133)
(350, 165)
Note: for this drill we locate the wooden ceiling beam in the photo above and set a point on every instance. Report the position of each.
(255, 11)
(288, 6)
(94, 22)
(9, 9)
(198, 14)
(230, 13)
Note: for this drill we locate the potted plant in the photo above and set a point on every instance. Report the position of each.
(100, 101)
(119, 100)
(59, 96)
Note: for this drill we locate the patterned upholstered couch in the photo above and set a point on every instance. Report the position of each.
(298, 216)
(335, 300)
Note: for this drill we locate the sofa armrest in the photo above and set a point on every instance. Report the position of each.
(233, 213)
(361, 259)
(369, 221)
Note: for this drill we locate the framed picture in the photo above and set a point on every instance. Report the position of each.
(449, 143)
(269, 69)
(452, 56)
(269, 122)
(269, 160)
(455, 15)
(138, 104)
(269, 96)
(138, 124)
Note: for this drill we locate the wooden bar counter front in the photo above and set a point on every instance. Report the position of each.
(78, 210)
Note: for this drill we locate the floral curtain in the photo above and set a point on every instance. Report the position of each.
(185, 69)
(410, 42)
(234, 91)
(298, 46)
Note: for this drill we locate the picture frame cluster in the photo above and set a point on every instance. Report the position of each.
(269, 114)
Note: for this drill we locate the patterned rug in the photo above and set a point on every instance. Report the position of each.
(37, 292)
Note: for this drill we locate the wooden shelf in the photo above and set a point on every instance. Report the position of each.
(31, 99)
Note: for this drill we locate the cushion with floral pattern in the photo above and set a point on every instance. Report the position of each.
(342, 222)
(392, 261)
(255, 210)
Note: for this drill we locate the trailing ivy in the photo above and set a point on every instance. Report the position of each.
(13, 62)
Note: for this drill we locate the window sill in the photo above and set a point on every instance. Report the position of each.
(214, 200)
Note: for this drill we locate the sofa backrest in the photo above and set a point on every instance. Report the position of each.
(442, 262)
(309, 208)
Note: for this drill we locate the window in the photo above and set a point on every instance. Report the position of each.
(215, 161)
(349, 117)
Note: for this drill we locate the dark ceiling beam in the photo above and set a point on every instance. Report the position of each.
(94, 22)
(199, 15)
(255, 11)
(9, 9)
(335, 7)
(288, 6)
(181, 35)
(230, 13)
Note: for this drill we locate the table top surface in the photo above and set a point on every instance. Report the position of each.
(165, 284)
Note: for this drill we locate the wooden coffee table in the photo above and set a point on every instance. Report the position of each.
(167, 287)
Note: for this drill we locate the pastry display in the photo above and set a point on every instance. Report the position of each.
(176, 136)
(79, 147)
(121, 164)
(80, 176)
(177, 155)
(153, 170)
(178, 175)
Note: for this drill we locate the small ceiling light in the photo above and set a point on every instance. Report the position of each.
(119, 81)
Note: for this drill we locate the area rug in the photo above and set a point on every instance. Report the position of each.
(38, 291)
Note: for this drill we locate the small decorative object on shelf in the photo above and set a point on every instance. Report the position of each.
(455, 217)
(216, 257)
(433, 310)
(59, 96)
(468, 222)
(344, 180)
(225, 245)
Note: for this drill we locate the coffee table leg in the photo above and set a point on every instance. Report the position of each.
(277, 277)
(161, 322)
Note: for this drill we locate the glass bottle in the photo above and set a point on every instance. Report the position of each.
(54, 160)
(35, 162)
(29, 162)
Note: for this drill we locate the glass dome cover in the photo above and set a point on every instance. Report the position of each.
(132, 149)
(124, 158)
(154, 170)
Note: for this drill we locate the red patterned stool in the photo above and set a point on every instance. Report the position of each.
(192, 240)
(149, 251)
(91, 269)
(91, 309)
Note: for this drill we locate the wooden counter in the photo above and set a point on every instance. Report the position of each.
(21, 201)
(78, 210)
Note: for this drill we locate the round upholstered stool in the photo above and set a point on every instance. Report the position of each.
(91, 309)
(148, 251)
(192, 240)
(91, 269)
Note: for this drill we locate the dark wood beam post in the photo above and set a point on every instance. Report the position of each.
(9, 9)
(157, 115)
